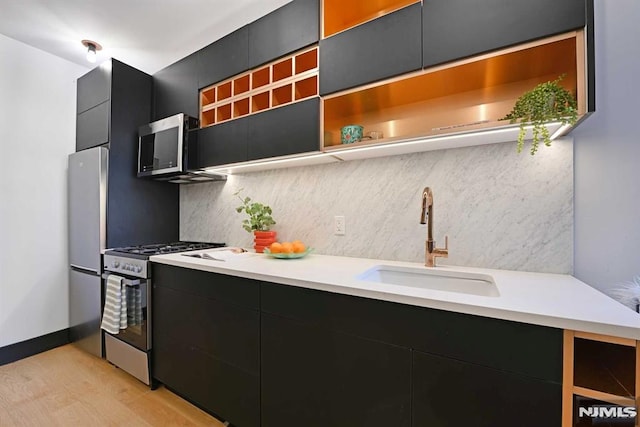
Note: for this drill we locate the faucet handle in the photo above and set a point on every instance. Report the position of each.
(446, 242)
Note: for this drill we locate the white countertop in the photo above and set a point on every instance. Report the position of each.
(555, 300)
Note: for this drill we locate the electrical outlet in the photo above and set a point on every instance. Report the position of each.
(339, 226)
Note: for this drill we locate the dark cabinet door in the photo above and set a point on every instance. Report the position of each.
(92, 126)
(291, 129)
(93, 88)
(455, 29)
(312, 376)
(224, 58)
(175, 88)
(382, 48)
(206, 340)
(450, 393)
(283, 31)
(223, 144)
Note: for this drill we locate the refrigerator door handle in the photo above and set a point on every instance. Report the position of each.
(85, 269)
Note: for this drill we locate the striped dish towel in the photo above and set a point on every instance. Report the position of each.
(114, 316)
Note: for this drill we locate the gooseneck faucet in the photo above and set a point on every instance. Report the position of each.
(426, 217)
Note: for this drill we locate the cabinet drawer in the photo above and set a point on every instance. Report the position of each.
(455, 29)
(450, 393)
(385, 47)
(92, 126)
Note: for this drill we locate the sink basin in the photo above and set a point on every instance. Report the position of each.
(433, 279)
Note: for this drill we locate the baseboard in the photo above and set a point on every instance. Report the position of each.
(20, 350)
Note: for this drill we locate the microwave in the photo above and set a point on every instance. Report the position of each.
(164, 147)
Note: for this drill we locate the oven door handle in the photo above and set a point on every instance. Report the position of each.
(127, 282)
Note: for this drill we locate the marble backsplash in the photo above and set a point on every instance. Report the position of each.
(500, 209)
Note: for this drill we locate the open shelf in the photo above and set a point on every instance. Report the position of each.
(289, 79)
(466, 95)
(340, 15)
(241, 85)
(281, 95)
(306, 88)
(224, 91)
(260, 77)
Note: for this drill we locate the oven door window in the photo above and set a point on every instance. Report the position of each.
(159, 150)
(137, 321)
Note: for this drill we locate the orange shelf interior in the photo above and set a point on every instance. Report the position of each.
(307, 61)
(281, 95)
(260, 78)
(241, 85)
(223, 113)
(340, 15)
(224, 91)
(283, 69)
(241, 107)
(208, 118)
(209, 96)
(434, 102)
(260, 102)
(605, 367)
(307, 87)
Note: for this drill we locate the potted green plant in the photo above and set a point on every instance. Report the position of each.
(259, 222)
(547, 102)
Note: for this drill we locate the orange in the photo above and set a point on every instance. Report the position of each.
(287, 247)
(275, 248)
(298, 247)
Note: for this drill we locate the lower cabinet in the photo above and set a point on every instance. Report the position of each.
(452, 393)
(312, 376)
(206, 341)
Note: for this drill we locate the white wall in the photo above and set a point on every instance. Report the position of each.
(607, 154)
(500, 209)
(37, 132)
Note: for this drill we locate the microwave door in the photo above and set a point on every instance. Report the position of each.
(159, 152)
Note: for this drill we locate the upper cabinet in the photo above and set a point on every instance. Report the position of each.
(175, 88)
(93, 88)
(224, 58)
(285, 30)
(455, 29)
(384, 47)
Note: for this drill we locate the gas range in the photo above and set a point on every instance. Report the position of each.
(134, 260)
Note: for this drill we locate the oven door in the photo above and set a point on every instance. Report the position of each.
(138, 298)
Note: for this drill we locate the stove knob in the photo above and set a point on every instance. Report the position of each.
(116, 264)
(138, 269)
(127, 267)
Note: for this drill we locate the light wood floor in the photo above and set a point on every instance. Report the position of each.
(67, 387)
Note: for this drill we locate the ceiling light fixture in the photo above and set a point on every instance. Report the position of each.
(92, 48)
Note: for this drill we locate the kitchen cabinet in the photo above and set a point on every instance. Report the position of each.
(285, 30)
(224, 58)
(450, 393)
(223, 143)
(93, 88)
(175, 88)
(92, 126)
(315, 376)
(290, 129)
(384, 47)
(455, 29)
(206, 343)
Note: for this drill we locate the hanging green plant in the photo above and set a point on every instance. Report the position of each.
(547, 102)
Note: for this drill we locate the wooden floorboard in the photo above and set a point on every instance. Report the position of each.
(68, 387)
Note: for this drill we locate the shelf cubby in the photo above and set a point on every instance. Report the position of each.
(241, 107)
(241, 85)
(465, 95)
(306, 61)
(283, 69)
(260, 102)
(224, 91)
(260, 77)
(286, 80)
(223, 113)
(340, 15)
(281, 95)
(306, 88)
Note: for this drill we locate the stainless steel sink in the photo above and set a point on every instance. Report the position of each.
(434, 279)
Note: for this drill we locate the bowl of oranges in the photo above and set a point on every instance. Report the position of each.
(287, 250)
